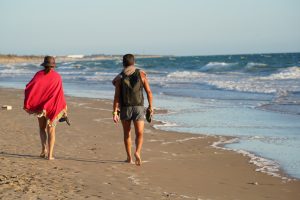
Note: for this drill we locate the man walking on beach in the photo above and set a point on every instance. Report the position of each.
(129, 101)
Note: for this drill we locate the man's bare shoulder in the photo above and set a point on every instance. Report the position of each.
(143, 74)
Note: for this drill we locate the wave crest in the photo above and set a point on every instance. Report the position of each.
(186, 74)
(218, 66)
(252, 66)
(288, 73)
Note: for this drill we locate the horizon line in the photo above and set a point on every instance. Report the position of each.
(162, 55)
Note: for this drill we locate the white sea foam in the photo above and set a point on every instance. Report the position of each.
(70, 67)
(257, 84)
(239, 81)
(105, 73)
(218, 66)
(236, 81)
(182, 140)
(118, 61)
(252, 66)
(268, 84)
(75, 56)
(66, 63)
(99, 78)
(164, 125)
(72, 73)
(244, 85)
(256, 137)
(12, 72)
(82, 75)
(189, 138)
(15, 71)
(155, 71)
(263, 165)
(186, 74)
(288, 73)
(6, 65)
(222, 141)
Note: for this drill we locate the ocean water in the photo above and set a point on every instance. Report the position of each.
(255, 98)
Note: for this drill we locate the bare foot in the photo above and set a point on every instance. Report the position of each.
(43, 154)
(50, 157)
(129, 160)
(138, 160)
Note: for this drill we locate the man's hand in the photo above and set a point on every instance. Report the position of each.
(151, 110)
(116, 118)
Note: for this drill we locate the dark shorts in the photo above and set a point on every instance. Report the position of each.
(134, 113)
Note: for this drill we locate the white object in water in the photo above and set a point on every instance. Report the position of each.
(6, 107)
(75, 56)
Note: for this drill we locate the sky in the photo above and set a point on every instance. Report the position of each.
(160, 27)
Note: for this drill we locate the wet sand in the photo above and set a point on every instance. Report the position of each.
(90, 154)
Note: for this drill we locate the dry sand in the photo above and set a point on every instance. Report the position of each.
(89, 161)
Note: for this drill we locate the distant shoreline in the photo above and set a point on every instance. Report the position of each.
(7, 59)
(13, 58)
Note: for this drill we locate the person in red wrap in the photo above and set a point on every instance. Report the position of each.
(44, 97)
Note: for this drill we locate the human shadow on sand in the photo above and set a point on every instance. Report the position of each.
(16, 155)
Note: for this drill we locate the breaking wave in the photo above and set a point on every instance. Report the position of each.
(252, 66)
(218, 67)
(288, 73)
(186, 74)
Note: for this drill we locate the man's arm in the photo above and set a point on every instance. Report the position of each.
(116, 101)
(116, 79)
(147, 89)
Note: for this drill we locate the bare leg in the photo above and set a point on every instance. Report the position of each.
(51, 141)
(139, 131)
(127, 139)
(43, 136)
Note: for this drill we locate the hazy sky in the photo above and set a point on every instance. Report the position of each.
(178, 27)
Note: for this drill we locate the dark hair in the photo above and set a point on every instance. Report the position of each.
(47, 69)
(49, 63)
(128, 60)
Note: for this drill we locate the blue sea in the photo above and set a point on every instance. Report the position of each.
(254, 98)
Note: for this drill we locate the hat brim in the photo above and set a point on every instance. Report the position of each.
(48, 65)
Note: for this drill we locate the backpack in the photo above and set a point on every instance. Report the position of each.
(132, 89)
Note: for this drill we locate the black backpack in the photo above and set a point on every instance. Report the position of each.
(132, 89)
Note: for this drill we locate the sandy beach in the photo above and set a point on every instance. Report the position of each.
(89, 161)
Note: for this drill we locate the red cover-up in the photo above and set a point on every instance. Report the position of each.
(44, 94)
